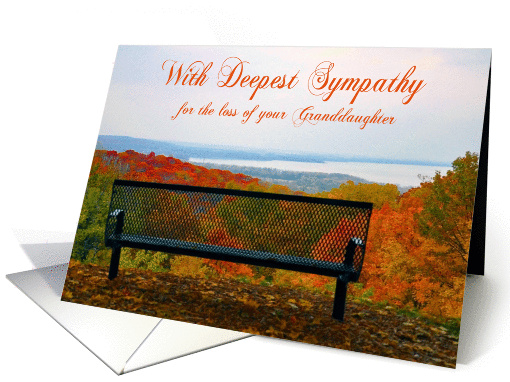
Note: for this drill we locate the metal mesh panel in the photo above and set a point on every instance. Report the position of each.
(305, 230)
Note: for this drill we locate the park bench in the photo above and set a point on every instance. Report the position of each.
(305, 234)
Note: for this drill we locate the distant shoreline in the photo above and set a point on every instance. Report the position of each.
(185, 151)
(319, 177)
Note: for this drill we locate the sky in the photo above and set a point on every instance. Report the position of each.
(442, 121)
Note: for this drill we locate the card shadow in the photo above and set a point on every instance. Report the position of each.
(50, 259)
(475, 311)
(47, 254)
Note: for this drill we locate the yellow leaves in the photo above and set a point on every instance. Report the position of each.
(188, 266)
(317, 321)
(310, 339)
(249, 307)
(365, 192)
(438, 331)
(268, 297)
(252, 330)
(249, 303)
(382, 334)
(275, 333)
(422, 348)
(128, 298)
(68, 295)
(298, 280)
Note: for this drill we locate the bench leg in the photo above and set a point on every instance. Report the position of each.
(340, 296)
(114, 263)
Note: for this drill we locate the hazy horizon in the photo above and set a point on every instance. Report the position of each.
(313, 157)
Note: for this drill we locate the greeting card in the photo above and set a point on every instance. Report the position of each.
(333, 196)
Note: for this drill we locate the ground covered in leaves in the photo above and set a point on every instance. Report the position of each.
(267, 310)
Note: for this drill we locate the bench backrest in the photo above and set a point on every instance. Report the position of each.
(307, 227)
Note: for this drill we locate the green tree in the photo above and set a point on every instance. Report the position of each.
(377, 194)
(448, 205)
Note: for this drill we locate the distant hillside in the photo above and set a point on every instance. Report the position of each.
(185, 151)
(309, 182)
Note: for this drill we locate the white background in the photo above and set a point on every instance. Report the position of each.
(57, 59)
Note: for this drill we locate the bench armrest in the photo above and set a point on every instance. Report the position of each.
(119, 214)
(116, 213)
(351, 250)
(357, 241)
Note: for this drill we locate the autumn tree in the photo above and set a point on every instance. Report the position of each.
(448, 205)
(377, 194)
(407, 269)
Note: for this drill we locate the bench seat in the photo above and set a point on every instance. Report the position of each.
(236, 255)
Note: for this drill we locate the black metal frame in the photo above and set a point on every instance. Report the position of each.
(343, 276)
(253, 194)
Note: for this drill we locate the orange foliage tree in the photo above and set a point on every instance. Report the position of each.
(407, 269)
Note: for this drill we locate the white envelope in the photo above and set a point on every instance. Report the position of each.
(123, 341)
